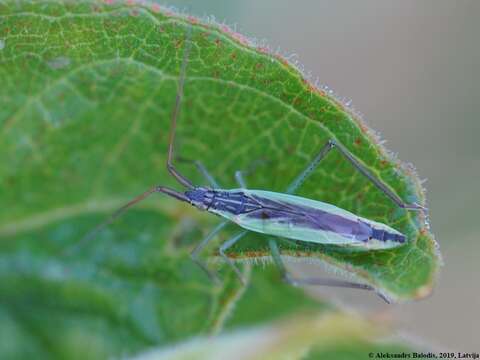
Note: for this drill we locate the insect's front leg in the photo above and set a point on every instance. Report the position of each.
(239, 174)
(227, 244)
(203, 170)
(314, 281)
(240, 180)
(194, 254)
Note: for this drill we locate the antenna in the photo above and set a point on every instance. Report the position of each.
(156, 189)
(176, 110)
(92, 233)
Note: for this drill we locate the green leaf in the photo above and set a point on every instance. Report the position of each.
(333, 336)
(119, 297)
(86, 97)
(88, 90)
(266, 299)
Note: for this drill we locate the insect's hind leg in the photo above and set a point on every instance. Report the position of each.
(331, 144)
(377, 182)
(314, 281)
(194, 254)
(227, 244)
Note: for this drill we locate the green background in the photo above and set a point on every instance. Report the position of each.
(113, 180)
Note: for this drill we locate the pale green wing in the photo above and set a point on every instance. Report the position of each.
(287, 229)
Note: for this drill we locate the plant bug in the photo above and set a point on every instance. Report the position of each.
(276, 214)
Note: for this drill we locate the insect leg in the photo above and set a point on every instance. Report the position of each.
(228, 244)
(240, 179)
(203, 170)
(300, 179)
(361, 168)
(377, 182)
(194, 254)
(239, 174)
(314, 281)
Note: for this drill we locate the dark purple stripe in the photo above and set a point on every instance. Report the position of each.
(308, 217)
(383, 235)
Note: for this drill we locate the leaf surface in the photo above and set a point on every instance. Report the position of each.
(87, 90)
(333, 336)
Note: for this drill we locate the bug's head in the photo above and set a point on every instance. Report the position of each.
(200, 197)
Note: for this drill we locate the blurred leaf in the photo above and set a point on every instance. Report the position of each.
(267, 299)
(118, 297)
(87, 91)
(335, 336)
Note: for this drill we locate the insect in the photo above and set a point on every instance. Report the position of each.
(276, 214)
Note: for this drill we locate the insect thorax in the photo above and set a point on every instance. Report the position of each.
(234, 202)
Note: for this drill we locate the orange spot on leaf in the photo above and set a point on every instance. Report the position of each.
(263, 49)
(193, 20)
(363, 128)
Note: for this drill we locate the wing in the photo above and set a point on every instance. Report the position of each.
(312, 221)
